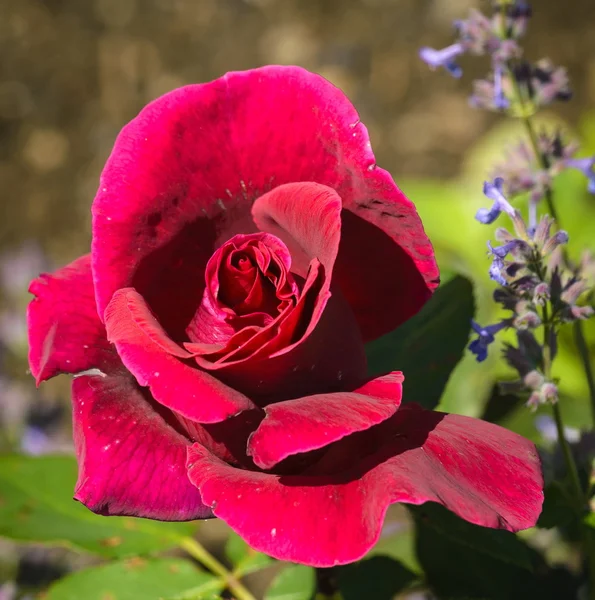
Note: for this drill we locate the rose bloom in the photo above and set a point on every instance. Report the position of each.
(245, 246)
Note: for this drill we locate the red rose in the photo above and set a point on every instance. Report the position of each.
(245, 246)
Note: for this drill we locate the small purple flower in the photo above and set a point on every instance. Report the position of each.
(496, 269)
(485, 336)
(500, 100)
(493, 190)
(586, 165)
(499, 253)
(443, 58)
(559, 238)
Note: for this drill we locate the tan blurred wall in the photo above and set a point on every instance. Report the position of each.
(72, 72)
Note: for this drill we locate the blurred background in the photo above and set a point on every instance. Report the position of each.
(73, 72)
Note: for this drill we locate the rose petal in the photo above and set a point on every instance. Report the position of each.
(209, 325)
(131, 462)
(307, 217)
(370, 267)
(155, 362)
(273, 374)
(65, 333)
(482, 472)
(183, 175)
(324, 141)
(313, 422)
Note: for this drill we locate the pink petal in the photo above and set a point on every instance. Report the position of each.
(309, 423)
(183, 175)
(484, 473)
(65, 333)
(328, 357)
(131, 462)
(155, 361)
(210, 324)
(307, 217)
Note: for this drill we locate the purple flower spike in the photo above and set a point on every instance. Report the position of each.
(485, 336)
(493, 190)
(443, 58)
(586, 165)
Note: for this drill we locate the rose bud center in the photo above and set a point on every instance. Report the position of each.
(249, 281)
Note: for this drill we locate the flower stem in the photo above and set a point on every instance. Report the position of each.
(579, 498)
(583, 351)
(198, 552)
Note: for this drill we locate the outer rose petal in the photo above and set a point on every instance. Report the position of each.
(131, 462)
(65, 333)
(153, 359)
(313, 422)
(484, 473)
(307, 217)
(183, 175)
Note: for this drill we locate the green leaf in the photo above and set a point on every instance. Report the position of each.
(464, 560)
(428, 346)
(149, 579)
(557, 508)
(397, 540)
(296, 582)
(379, 577)
(244, 558)
(36, 505)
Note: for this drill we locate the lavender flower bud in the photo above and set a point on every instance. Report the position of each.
(443, 58)
(549, 392)
(501, 102)
(542, 232)
(571, 294)
(534, 380)
(518, 14)
(503, 235)
(581, 312)
(493, 191)
(550, 83)
(527, 320)
(534, 401)
(541, 294)
(559, 238)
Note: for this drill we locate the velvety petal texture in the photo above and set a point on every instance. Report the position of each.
(131, 461)
(194, 162)
(154, 359)
(307, 217)
(482, 472)
(313, 422)
(65, 333)
(245, 247)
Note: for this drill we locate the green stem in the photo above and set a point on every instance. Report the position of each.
(198, 552)
(564, 445)
(583, 351)
(569, 460)
(579, 497)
